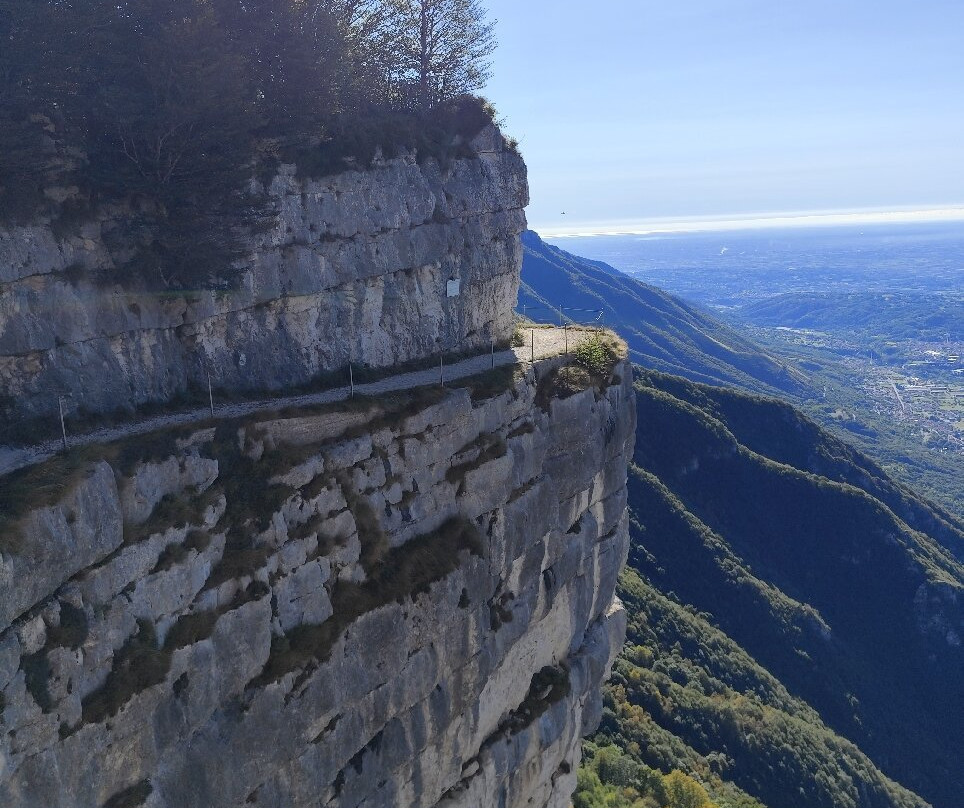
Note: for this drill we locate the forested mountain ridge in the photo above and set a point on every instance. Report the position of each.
(777, 430)
(662, 331)
(668, 334)
(790, 633)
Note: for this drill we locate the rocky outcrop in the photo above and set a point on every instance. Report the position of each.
(405, 603)
(397, 601)
(357, 268)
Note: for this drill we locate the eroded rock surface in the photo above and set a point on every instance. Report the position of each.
(356, 269)
(379, 605)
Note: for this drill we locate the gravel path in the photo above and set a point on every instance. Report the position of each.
(541, 343)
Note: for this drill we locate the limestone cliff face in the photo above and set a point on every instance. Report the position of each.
(355, 270)
(377, 604)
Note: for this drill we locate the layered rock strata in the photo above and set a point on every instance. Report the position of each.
(405, 603)
(377, 267)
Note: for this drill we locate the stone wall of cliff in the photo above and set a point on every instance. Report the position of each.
(354, 269)
(379, 603)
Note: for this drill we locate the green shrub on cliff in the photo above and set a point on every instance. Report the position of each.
(612, 779)
(596, 353)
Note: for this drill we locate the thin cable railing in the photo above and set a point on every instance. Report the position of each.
(542, 342)
(583, 316)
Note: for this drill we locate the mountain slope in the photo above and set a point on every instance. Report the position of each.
(779, 431)
(662, 331)
(810, 651)
(795, 615)
(667, 334)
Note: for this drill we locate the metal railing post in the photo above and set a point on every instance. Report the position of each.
(210, 390)
(532, 345)
(63, 425)
(441, 372)
(351, 381)
(493, 352)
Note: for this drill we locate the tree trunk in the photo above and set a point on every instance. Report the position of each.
(423, 100)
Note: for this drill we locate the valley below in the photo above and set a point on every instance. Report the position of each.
(873, 315)
(794, 582)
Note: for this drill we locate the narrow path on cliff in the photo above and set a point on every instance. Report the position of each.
(542, 343)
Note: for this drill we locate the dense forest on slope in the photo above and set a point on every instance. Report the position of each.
(795, 617)
(778, 431)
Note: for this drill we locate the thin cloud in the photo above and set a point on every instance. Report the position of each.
(783, 220)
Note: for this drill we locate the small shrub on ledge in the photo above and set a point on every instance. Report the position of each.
(597, 353)
(592, 365)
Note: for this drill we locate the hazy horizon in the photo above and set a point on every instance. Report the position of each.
(775, 220)
(725, 109)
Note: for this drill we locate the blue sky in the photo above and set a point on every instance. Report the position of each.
(631, 111)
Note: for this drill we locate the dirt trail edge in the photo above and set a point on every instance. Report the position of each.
(542, 343)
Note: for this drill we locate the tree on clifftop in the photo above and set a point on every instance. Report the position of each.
(25, 148)
(178, 109)
(442, 48)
